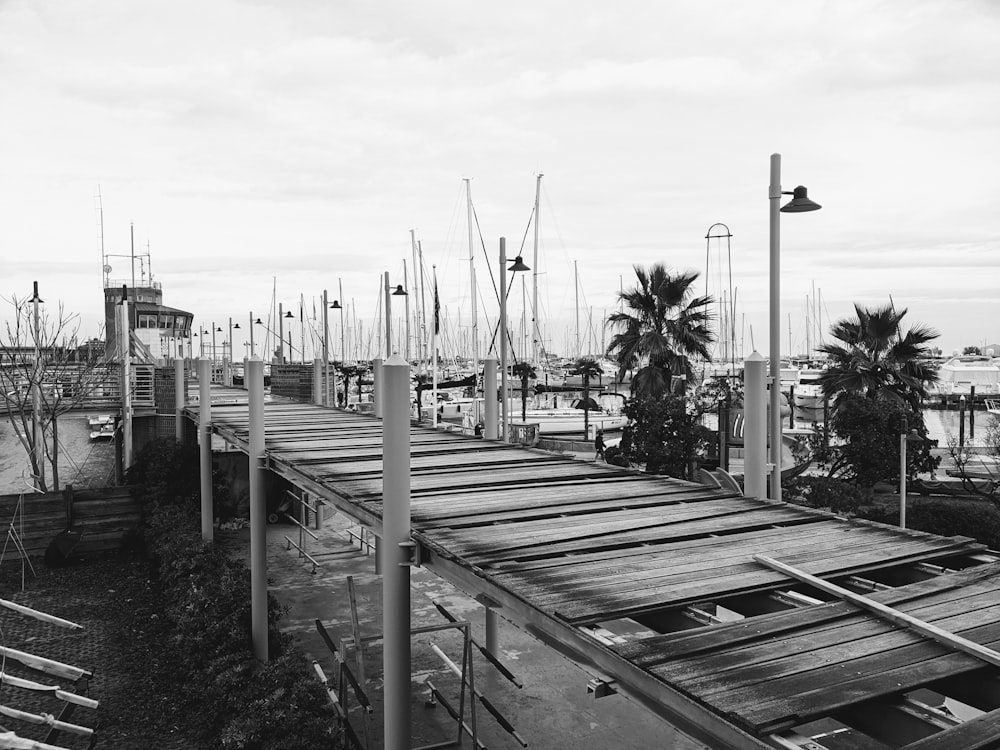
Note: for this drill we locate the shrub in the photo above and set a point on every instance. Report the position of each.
(869, 431)
(972, 518)
(229, 699)
(663, 433)
(827, 492)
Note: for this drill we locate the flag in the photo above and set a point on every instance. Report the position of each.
(437, 306)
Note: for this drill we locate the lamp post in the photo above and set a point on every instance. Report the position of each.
(215, 330)
(517, 265)
(399, 292)
(291, 349)
(229, 365)
(800, 202)
(343, 355)
(291, 355)
(252, 354)
(36, 394)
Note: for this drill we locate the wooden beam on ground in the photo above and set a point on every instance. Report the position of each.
(43, 616)
(49, 666)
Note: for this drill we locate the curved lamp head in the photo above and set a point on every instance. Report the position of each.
(518, 265)
(800, 202)
(258, 322)
(236, 325)
(289, 314)
(219, 329)
(335, 305)
(400, 292)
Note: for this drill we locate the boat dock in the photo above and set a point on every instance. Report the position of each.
(656, 587)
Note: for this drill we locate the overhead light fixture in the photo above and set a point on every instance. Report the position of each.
(518, 265)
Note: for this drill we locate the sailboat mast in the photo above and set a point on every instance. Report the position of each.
(576, 296)
(406, 307)
(472, 282)
(534, 280)
(419, 271)
(131, 231)
(416, 310)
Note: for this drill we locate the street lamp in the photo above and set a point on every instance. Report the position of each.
(516, 266)
(343, 350)
(291, 355)
(399, 292)
(277, 335)
(800, 202)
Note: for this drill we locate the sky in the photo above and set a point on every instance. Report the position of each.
(273, 150)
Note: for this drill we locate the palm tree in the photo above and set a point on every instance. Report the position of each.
(526, 372)
(663, 325)
(875, 358)
(587, 368)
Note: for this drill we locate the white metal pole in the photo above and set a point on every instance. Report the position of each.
(755, 426)
(395, 552)
(377, 386)
(388, 318)
(180, 400)
(38, 441)
(229, 360)
(258, 510)
(504, 405)
(318, 381)
(490, 423)
(902, 475)
(252, 352)
(125, 339)
(774, 335)
(205, 445)
(326, 352)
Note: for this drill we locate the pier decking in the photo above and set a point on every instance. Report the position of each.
(651, 582)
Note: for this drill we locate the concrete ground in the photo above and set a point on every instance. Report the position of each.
(553, 709)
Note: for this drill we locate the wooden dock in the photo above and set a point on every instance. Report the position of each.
(651, 584)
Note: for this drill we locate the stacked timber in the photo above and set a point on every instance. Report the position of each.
(104, 517)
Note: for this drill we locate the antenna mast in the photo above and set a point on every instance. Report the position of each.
(105, 268)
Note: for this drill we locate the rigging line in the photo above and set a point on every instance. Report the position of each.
(527, 229)
(482, 242)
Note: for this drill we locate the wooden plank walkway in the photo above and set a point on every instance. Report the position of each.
(564, 545)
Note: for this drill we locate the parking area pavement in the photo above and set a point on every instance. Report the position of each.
(553, 709)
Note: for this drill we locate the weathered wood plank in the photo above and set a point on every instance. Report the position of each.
(739, 579)
(649, 652)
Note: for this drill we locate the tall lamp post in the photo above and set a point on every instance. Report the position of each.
(343, 355)
(517, 265)
(800, 202)
(291, 354)
(399, 292)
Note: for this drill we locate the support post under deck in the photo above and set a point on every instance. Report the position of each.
(491, 427)
(180, 399)
(395, 551)
(205, 445)
(258, 510)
